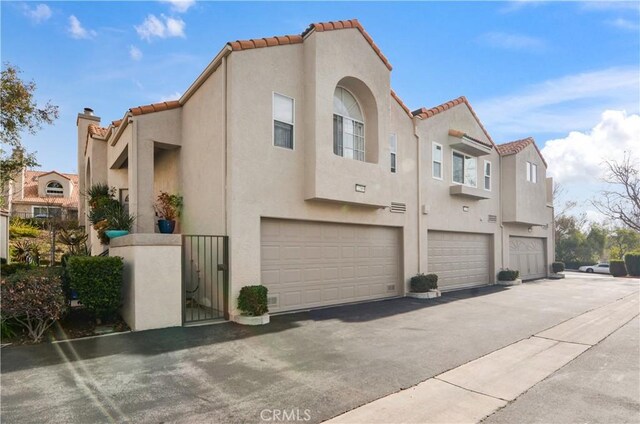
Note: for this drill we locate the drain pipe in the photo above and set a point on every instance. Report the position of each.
(419, 174)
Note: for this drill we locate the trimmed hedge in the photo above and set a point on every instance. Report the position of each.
(98, 281)
(557, 267)
(252, 300)
(508, 275)
(12, 268)
(617, 268)
(422, 283)
(33, 299)
(632, 262)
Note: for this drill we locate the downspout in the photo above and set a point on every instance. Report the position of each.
(500, 193)
(419, 174)
(226, 143)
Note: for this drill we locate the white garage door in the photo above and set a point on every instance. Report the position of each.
(310, 264)
(460, 259)
(527, 255)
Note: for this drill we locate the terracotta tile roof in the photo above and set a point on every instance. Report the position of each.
(256, 43)
(30, 191)
(428, 113)
(460, 134)
(155, 107)
(97, 130)
(116, 123)
(514, 147)
(401, 103)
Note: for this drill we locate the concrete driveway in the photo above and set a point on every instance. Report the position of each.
(313, 365)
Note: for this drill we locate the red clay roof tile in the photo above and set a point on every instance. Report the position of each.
(514, 147)
(97, 130)
(155, 107)
(30, 191)
(401, 103)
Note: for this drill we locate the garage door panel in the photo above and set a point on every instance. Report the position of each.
(527, 255)
(310, 264)
(459, 259)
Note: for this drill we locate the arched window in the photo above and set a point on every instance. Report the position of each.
(348, 125)
(54, 188)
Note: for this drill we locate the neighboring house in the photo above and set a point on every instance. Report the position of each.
(329, 188)
(40, 194)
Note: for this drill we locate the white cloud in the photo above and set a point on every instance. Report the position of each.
(517, 5)
(135, 53)
(38, 14)
(163, 27)
(77, 30)
(572, 102)
(624, 24)
(579, 157)
(174, 96)
(511, 41)
(180, 6)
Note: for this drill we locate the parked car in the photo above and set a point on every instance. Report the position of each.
(600, 268)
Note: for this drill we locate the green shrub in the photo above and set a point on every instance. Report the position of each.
(557, 267)
(98, 281)
(26, 251)
(632, 262)
(17, 231)
(422, 283)
(12, 268)
(33, 299)
(252, 300)
(3, 261)
(508, 275)
(617, 268)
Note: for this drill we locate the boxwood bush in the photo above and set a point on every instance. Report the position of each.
(252, 300)
(422, 283)
(557, 267)
(12, 268)
(98, 281)
(508, 275)
(632, 262)
(617, 268)
(33, 299)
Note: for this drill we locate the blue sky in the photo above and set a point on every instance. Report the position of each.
(541, 69)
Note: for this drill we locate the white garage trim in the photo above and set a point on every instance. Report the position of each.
(528, 255)
(460, 260)
(308, 264)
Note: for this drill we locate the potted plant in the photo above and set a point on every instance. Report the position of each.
(424, 286)
(168, 208)
(509, 277)
(557, 269)
(119, 222)
(252, 301)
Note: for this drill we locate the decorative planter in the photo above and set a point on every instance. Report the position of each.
(515, 282)
(116, 233)
(247, 320)
(556, 276)
(166, 226)
(424, 295)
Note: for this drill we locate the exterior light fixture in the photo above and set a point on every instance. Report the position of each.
(465, 209)
(530, 229)
(360, 188)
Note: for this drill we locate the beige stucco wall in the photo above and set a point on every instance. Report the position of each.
(152, 285)
(4, 235)
(444, 212)
(44, 180)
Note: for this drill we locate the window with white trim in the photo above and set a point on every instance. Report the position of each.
(348, 126)
(532, 172)
(487, 175)
(46, 211)
(393, 148)
(436, 157)
(283, 121)
(464, 169)
(54, 188)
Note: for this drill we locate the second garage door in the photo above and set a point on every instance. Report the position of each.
(527, 255)
(459, 259)
(308, 264)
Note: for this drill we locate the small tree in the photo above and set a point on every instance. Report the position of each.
(622, 202)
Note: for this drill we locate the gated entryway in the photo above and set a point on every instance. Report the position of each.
(205, 278)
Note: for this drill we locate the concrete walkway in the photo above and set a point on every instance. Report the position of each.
(475, 390)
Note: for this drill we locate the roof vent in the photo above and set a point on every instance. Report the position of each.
(398, 207)
(88, 111)
(493, 218)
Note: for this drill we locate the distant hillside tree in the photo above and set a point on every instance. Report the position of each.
(622, 202)
(19, 113)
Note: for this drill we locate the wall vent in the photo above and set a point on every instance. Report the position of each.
(398, 207)
(391, 287)
(272, 300)
(493, 218)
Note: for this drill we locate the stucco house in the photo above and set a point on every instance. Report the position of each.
(43, 194)
(323, 184)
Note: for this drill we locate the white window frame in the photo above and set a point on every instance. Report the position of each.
(532, 172)
(465, 156)
(55, 193)
(484, 172)
(47, 209)
(433, 160)
(393, 150)
(273, 119)
(364, 129)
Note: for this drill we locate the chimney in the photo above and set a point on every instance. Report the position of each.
(88, 111)
(83, 121)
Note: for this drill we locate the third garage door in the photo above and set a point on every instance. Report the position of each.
(309, 264)
(526, 254)
(459, 259)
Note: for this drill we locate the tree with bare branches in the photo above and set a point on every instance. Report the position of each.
(622, 202)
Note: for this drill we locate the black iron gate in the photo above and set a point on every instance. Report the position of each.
(205, 278)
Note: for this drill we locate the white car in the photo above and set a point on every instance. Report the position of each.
(600, 268)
